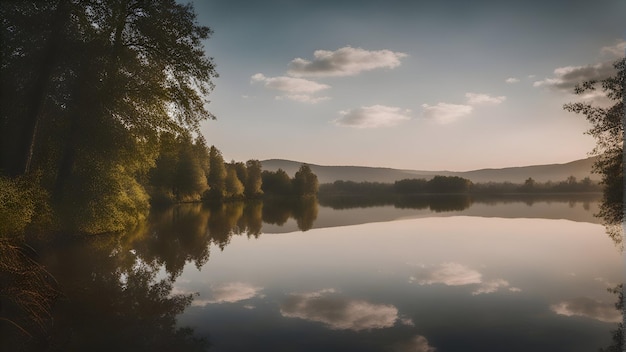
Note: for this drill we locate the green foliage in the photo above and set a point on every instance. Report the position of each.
(88, 87)
(190, 178)
(277, 183)
(17, 206)
(233, 187)
(217, 176)
(253, 180)
(305, 182)
(23, 204)
(240, 170)
(110, 199)
(180, 172)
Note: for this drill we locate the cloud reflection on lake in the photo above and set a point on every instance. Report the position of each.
(229, 292)
(588, 307)
(455, 274)
(337, 312)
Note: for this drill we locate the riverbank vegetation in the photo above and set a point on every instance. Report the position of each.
(100, 112)
(457, 185)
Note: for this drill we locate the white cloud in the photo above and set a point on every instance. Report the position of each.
(229, 292)
(416, 344)
(406, 321)
(493, 286)
(445, 113)
(618, 50)
(566, 78)
(296, 89)
(590, 308)
(303, 98)
(455, 274)
(372, 116)
(483, 99)
(512, 80)
(339, 313)
(346, 61)
(289, 84)
(450, 274)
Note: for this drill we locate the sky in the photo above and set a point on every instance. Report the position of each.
(428, 85)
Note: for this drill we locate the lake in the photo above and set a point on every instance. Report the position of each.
(425, 274)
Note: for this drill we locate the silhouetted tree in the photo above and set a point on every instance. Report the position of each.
(277, 182)
(409, 186)
(448, 184)
(608, 130)
(305, 182)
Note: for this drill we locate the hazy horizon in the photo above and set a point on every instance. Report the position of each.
(420, 169)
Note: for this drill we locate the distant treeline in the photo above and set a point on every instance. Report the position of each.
(187, 170)
(458, 185)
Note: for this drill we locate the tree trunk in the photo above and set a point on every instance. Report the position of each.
(39, 93)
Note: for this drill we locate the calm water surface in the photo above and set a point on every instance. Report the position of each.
(497, 275)
(462, 282)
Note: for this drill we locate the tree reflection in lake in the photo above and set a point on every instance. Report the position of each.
(119, 293)
(111, 300)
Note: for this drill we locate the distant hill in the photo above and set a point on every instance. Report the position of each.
(541, 173)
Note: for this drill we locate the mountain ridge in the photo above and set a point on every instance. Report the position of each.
(517, 174)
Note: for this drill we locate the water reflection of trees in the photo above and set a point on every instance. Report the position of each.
(303, 210)
(110, 300)
(184, 233)
(112, 296)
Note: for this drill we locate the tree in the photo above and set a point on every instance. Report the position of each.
(87, 88)
(608, 130)
(217, 175)
(529, 185)
(408, 186)
(305, 182)
(240, 170)
(189, 180)
(277, 182)
(180, 172)
(254, 181)
(233, 188)
(448, 184)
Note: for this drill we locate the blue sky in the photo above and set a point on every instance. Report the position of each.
(431, 85)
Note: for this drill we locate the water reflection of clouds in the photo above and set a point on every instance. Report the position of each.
(455, 274)
(340, 313)
(416, 344)
(229, 292)
(588, 307)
